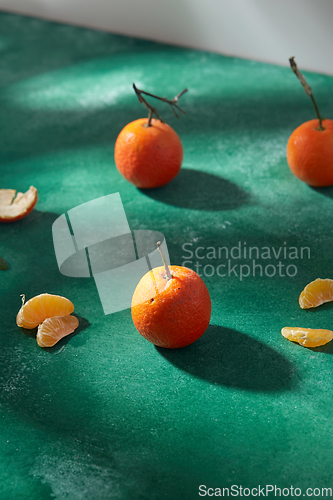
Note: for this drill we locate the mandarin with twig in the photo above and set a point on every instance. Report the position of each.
(148, 153)
(171, 306)
(310, 146)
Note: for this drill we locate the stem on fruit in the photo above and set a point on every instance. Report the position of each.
(307, 89)
(167, 270)
(22, 298)
(173, 103)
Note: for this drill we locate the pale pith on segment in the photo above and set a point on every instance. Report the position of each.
(316, 293)
(54, 329)
(307, 337)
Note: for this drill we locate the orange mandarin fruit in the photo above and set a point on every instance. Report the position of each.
(174, 312)
(148, 156)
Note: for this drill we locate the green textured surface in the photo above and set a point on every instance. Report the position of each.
(111, 416)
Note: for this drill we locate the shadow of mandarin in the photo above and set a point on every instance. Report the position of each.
(231, 358)
(197, 190)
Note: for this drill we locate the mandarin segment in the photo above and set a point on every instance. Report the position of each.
(171, 313)
(41, 307)
(316, 293)
(54, 329)
(307, 337)
(11, 208)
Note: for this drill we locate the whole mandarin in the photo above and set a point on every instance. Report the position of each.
(148, 156)
(310, 153)
(174, 312)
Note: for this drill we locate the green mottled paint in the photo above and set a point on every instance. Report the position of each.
(111, 416)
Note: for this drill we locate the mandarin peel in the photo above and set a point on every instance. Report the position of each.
(14, 206)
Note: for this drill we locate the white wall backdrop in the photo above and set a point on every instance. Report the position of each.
(265, 30)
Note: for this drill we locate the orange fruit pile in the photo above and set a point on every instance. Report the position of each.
(51, 313)
(11, 208)
(310, 153)
(148, 156)
(174, 312)
(314, 294)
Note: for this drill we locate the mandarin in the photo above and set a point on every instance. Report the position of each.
(173, 312)
(310, 146)
(41, 307)
(148, 156)
(14, 208)
(310, 153)
(54, 329)
(316, 293)
(307, 337)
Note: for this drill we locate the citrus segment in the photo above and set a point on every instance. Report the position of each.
(307, 337)
(316, 293)
(41, 307)
(171, 313)
(148, 157)
(14, 209)
(55, 328)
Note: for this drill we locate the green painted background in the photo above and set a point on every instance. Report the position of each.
(104, 414)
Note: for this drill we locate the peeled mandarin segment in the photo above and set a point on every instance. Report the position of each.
(307, 337)
(41, 307)
(54, 329)
(316, 293)
(11, 208)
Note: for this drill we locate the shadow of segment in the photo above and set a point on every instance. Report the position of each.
(198, 190)
(83, 324)
(227, 357)
(324, 191)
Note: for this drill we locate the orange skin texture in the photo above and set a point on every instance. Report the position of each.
(171, 313)
(148, 157)
(310, 153)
